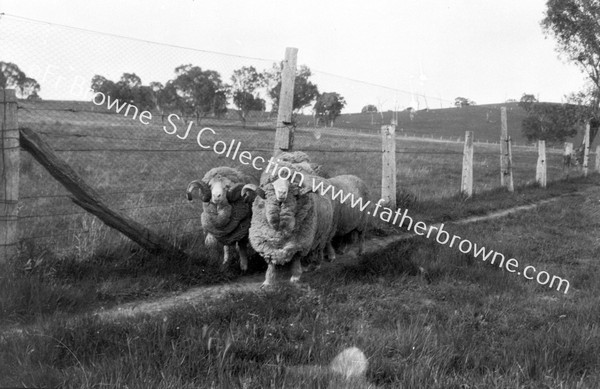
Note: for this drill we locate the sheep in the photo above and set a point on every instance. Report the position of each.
(349, 220)
(226, 216)
(290, 223)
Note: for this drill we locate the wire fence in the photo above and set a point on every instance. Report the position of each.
(143, 169)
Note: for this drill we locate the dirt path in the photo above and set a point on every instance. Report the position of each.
(251, 284)
(204, 294)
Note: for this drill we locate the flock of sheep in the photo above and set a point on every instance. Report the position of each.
(283, 221)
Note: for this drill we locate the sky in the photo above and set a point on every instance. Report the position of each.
(392, 54)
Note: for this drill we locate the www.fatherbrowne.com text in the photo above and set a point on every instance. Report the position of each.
(397, 217)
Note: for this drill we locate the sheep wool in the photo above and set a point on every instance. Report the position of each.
(228, 223)
(300, 225)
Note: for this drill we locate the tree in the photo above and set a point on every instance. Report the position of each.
(463, 102)
(220, 103)
(329, 106)
(368, 108)
(526, 102)
(574, 25)
(13, 77)
(305, 92)
(371, 109)
(551, 122)
(128, 89)
(245, 82)
(197, 89)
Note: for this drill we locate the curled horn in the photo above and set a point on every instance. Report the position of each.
(234, 193)
(250, 191)
(202, 187)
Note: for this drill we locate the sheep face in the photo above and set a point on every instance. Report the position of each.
(219, 187)
(281, 188)
(280, 206)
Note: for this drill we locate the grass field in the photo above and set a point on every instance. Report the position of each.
(468, 324)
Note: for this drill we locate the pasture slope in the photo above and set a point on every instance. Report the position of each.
(460, 324)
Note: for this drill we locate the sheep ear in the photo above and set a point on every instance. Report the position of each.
(202, 187)
(261, 193)
(248, 193)
(235, 193)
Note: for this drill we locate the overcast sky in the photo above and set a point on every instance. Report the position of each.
(485, 50)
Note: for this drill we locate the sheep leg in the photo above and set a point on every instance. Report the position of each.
(269, 276)
(330, 252)
(296, 270)
(241, 246)
(361, 242)
(226, 254)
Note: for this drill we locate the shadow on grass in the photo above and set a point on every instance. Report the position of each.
(32, 288)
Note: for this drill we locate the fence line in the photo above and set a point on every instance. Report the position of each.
(110, 151)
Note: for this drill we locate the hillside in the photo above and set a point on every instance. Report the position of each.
(483, 120)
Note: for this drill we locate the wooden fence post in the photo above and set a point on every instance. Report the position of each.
(568, 157)
(510, 183)
(586, 148)
(540, 171)
(466, 185)
(9, 182)
(506, 176)
(388, 165)
(597, 159)
(284, 135)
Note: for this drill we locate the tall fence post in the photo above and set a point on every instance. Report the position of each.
(597, 159)
(284, 135)
(540, 171)
(466, 185)
(506, 176)
(586, 148)
(388, 165)
(9, 183)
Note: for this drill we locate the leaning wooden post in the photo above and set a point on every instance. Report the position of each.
(540, 171)
(597, 159)
(388, 165)
(9, 166)
(586, 148)
(506, 178)
(87, 198)
(466, 185)
(284, 135)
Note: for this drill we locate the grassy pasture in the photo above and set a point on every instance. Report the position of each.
(143, 170)
(467, 324)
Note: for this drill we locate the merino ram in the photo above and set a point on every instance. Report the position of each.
(226, 216)
(292, 223)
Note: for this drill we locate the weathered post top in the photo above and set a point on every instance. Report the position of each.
(284, 135)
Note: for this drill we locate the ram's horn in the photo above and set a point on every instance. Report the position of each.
(234, 193)
(250, 191)
(202, 187)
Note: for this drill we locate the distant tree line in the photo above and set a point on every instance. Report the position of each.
(198, 93)
(194, 92)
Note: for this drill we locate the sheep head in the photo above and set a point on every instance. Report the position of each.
(218, 190)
